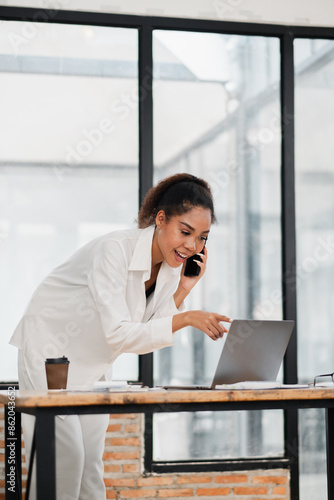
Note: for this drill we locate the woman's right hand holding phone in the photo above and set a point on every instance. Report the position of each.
(187, 282)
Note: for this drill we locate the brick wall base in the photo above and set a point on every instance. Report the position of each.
(124, 477)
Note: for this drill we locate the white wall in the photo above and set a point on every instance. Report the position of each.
(291, 12)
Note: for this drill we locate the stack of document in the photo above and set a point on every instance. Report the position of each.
(109, 386)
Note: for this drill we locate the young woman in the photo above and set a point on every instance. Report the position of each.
(122, 292)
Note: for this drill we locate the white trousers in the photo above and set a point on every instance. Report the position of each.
(79, 451)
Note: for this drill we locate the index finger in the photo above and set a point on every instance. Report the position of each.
(224, 318)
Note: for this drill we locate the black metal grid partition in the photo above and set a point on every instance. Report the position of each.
(286, 35)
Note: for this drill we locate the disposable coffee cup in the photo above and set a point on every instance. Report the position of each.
(56, 372)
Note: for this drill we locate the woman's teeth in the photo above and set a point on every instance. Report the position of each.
(180, 255)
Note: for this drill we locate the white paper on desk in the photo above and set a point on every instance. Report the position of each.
(260, 384)
(118, 386)
(251, 384)
(324, 385)
(101, 385)
(108, 386)
(295, 386)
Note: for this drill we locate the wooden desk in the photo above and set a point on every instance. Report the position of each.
(45, 405)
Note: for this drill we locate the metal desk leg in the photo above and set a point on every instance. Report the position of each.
(13, 459)
(330, 451)
(31, 464)
(45, 456)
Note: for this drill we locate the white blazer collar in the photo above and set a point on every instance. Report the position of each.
(142, 255)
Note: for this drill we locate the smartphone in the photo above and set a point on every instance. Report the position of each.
(192, 269)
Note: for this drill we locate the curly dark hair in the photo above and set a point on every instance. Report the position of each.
(175, 195)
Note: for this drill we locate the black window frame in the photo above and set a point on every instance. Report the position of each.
(286, 34)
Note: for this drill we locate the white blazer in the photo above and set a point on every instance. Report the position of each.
(93, 308)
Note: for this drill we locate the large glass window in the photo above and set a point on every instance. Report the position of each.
(314, 100)
(69, 154)
(217, 115)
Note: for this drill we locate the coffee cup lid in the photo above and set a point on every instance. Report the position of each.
(57, 360)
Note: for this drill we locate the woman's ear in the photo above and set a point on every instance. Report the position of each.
(160, 218)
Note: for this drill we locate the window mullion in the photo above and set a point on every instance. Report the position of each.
(289, 249)
(145, 100)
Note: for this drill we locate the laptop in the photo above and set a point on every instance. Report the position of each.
(253, 351)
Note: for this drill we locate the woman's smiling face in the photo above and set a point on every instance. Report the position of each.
(181, 236)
